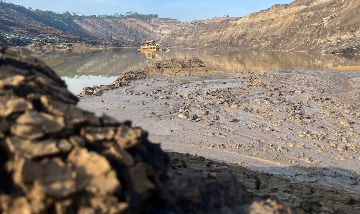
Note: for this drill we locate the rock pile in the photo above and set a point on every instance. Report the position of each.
(57, 158)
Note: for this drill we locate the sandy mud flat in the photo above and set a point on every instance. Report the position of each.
(304, 125)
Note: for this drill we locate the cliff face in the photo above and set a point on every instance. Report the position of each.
(316, 25)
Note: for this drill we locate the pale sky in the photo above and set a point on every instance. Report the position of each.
(180, 9)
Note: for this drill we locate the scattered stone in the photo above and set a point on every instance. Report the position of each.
(182, 116)
(269, 207)
(234, 106)
(204, 112)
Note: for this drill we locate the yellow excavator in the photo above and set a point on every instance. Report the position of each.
(152, 48)
(151, 45)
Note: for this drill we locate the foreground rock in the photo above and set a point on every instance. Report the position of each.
(60, 159)
(57, 158)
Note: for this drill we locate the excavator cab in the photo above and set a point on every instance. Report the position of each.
(151, 45)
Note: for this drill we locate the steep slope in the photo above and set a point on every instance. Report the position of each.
(18, 14)
(24, 26)
(312, 25)
(133, 31)
(318, 25)
(21, 26)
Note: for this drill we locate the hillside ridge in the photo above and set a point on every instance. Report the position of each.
(303, 25)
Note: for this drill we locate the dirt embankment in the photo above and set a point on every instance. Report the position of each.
(291, 129)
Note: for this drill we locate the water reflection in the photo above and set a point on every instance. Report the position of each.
(232, 59)
(103, 62)
(152, 54)
(105, 65)
(77, 83)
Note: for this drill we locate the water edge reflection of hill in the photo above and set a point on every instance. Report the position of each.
(117, 61)
(108, 64)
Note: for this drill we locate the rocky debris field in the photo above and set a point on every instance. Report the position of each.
(58, 158)
(303, 125)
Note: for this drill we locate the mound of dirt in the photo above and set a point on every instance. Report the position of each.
(57, 158)
(173, 67)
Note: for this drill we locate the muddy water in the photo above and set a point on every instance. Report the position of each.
(87, 68)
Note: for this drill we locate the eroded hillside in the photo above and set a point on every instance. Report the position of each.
(316, 25)
(313, 25)
(21, 26)
(304, 25)
(131, 31)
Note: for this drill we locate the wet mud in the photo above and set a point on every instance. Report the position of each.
(299, 126)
